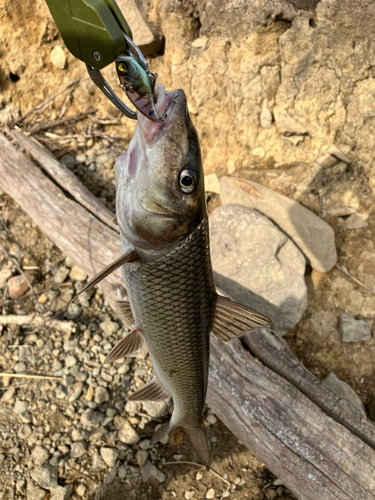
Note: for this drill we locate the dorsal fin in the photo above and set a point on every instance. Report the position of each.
(233, 320)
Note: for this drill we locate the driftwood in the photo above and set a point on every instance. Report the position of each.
(318, 445)
(79, 234)
(63, 177)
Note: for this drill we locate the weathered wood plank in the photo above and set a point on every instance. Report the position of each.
(286, 430)
(64, 177)
(275, 353)
(90, 243)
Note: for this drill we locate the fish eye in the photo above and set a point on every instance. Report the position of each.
(188, 181)
(121, 67)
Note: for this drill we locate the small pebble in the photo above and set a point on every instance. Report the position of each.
(62, 492)
(81, 158)
(77, 274)
(39, 455)
(150, 471)
(17, 286)
(353, 330)
(20, 368)
(90, 417)
(198, 476)
(81, 490)
(20, 407)
(24, 432)
(210, 493)
(109, 327)
(211, 419)
(189, 494)
(78, 449)
(101, 395)
(79, 434)
(122, 472)
(141, 457)
(128, 435)
(70, 361)
(58, 57)
(61, 275)
(109, 456)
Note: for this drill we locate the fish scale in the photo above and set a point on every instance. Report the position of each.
(173, 299)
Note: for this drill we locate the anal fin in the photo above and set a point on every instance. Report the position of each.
(233, 320)
(152, 391)
(124, 312)
(126, 346)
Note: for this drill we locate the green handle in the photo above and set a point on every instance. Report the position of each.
(92, 30)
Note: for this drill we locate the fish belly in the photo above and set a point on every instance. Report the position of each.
(173, 299)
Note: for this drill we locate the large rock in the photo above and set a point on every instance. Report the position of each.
(257, 265)
(143, 36)
(314, 237)
(45, 476)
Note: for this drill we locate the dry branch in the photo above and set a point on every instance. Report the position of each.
(72, 86)
(29, 376)
(39, 127)
(320, 446)
(34, 319)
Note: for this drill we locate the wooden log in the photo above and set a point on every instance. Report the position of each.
(321, 447)
(64, 177)
(315, 456)
(90, 243)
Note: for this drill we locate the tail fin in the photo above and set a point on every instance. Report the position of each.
(198, 439)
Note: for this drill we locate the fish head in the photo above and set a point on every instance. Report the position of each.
(160, 194)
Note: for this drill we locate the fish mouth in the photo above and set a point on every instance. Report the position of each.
(151, 130)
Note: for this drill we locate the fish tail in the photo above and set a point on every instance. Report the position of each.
(198, 439)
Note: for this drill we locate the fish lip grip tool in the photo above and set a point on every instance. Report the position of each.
(96, 32)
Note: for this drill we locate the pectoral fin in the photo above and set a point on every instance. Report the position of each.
(124, 311)
(233, 320)
(130, 256)
(152, 391)
(126, 346)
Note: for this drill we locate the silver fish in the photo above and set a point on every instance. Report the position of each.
(173, 305)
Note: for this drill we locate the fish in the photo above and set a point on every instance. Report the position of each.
(172, 304)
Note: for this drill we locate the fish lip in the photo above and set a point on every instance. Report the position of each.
(153, 129)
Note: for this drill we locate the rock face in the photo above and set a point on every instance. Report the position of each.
(311, 234)
(353, 330)
(258, 265)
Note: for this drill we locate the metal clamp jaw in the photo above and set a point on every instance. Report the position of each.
(96, 32)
